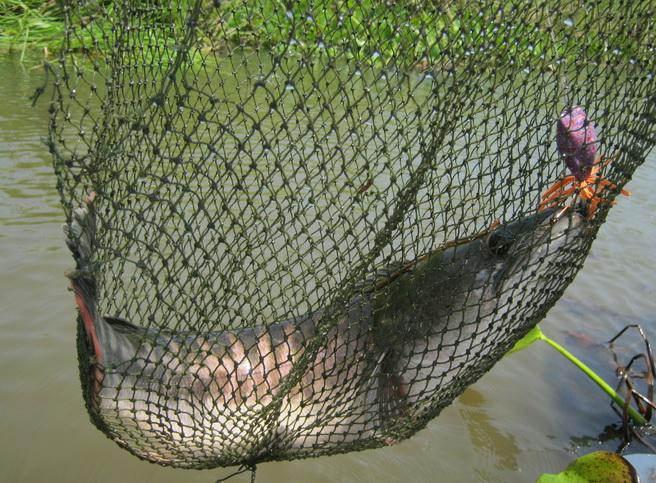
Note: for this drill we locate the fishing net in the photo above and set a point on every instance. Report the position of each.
(304, 228)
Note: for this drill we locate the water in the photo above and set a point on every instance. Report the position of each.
(531, 414)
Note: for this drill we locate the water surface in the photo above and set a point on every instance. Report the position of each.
(532, 413)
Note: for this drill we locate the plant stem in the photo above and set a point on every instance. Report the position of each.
(27, 34)
(633, 414)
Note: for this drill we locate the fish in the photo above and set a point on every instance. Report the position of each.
(576, 139)
(411, 339)
(469, 303)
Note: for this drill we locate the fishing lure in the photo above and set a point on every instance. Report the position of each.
(576, 139)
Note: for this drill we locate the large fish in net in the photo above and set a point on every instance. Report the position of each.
(409, 334)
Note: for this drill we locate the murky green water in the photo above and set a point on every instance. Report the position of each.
(531, 414)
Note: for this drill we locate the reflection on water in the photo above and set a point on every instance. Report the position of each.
(611, 433)
(529, 415)
(484, 435)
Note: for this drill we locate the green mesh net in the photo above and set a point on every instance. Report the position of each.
(303, 228)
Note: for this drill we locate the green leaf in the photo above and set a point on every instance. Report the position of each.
(600, 466)
(534, 334)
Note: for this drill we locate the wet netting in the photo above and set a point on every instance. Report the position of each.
(303, 228)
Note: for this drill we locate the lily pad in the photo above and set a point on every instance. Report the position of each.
(600, 466)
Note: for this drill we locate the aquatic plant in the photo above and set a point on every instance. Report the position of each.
(536, 334)
(412, 33)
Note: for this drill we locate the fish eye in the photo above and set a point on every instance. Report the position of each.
(499, 243)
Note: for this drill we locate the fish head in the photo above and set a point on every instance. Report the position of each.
(550, 243)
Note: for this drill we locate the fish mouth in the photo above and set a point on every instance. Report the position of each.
(549, 236)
